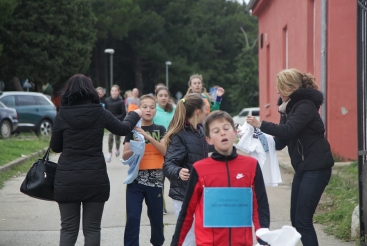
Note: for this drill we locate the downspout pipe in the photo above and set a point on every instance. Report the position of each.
(324, 59)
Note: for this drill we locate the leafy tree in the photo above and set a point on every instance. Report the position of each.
(6, 9)
(48, 41)
(114, 20)
(245, 91)
(197, 36)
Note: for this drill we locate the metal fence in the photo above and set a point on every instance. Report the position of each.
(362, 113)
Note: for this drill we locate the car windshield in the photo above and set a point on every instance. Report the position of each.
(244, 113)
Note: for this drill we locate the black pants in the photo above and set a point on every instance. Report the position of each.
(307, 189)
(153, 196)
(70, 221)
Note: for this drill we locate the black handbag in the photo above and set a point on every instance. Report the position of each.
(39, 181)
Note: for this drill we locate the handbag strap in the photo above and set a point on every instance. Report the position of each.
(45, 157)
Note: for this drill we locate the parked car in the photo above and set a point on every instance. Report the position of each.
(8, 121)
(242, 115)
(35, 110)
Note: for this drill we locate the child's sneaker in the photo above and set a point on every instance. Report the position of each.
(117, 153)
(164, 211)
(108, 157)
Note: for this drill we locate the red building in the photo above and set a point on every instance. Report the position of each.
(291, 35)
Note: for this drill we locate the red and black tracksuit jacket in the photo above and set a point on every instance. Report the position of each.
(222, 171)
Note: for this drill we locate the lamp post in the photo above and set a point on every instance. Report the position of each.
(167, 64)
(111, 52)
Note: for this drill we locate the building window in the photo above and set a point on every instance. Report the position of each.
(268, 73)
(310, 35)
(261, 40)
(285, 47)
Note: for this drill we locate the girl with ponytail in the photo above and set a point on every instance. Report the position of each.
(186, 144)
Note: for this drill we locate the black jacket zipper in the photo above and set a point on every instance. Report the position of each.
(229, 185)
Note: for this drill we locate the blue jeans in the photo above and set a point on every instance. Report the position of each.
(307, 189)
(153, 196)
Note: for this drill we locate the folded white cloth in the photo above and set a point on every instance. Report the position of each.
(268, 161)
(287, 236)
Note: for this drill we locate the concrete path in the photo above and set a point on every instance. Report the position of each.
(26, 221)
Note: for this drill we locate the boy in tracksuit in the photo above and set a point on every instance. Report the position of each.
(224, 169)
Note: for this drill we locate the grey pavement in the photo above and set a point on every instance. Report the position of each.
(28, 221)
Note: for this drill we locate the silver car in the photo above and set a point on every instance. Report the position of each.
(240, 118)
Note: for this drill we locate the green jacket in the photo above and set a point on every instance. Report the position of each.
(213, 105)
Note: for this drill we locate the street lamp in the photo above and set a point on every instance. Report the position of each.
(110, 51)
(167, 64)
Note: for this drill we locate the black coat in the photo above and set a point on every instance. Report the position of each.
(186, 148)
(302, 130)
(116, 107)
(78, 131)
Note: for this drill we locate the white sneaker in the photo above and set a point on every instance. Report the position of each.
(108, 157)
(117, 153)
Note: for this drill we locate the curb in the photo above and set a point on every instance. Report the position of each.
(21, 160)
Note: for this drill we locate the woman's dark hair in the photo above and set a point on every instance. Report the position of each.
(79, 89)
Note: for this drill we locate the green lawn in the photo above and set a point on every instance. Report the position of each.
(23, 144)
(15, 171)
(338, 202)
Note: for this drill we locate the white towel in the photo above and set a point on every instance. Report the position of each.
(287, 236)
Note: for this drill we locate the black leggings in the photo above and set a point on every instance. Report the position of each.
(70, 221)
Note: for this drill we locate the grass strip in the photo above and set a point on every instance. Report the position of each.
(23, 144)
(16, 171)
(338, 202)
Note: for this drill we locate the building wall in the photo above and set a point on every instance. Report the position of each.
(342, 78)
(290, 37)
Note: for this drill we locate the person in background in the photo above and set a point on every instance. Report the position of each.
(302, 130)
(101, 94)
(222, 169)
(185, 141)
(164, 115)
(81, 179)
(132, 102)
(116, 106)
(165, 109)
(148, 185)
(127, 94)
(196, 86)
(171, 99)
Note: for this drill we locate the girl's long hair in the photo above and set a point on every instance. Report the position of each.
(169, 105)
(185, 109)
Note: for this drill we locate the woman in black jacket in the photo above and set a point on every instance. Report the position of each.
(81, 176)
(302, 130)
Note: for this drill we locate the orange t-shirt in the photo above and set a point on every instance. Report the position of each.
(132, 107)
(152, 158)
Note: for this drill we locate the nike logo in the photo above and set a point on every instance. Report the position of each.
(240, 175)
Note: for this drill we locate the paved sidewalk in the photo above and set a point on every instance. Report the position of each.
(26, 221)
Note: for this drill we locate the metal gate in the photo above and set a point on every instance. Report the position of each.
(362, 113)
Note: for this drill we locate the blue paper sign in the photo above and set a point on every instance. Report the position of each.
(227, 207)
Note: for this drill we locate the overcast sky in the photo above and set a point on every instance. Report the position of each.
(246, 1)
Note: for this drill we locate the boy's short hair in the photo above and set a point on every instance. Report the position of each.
(147, 96)
(216, 115)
